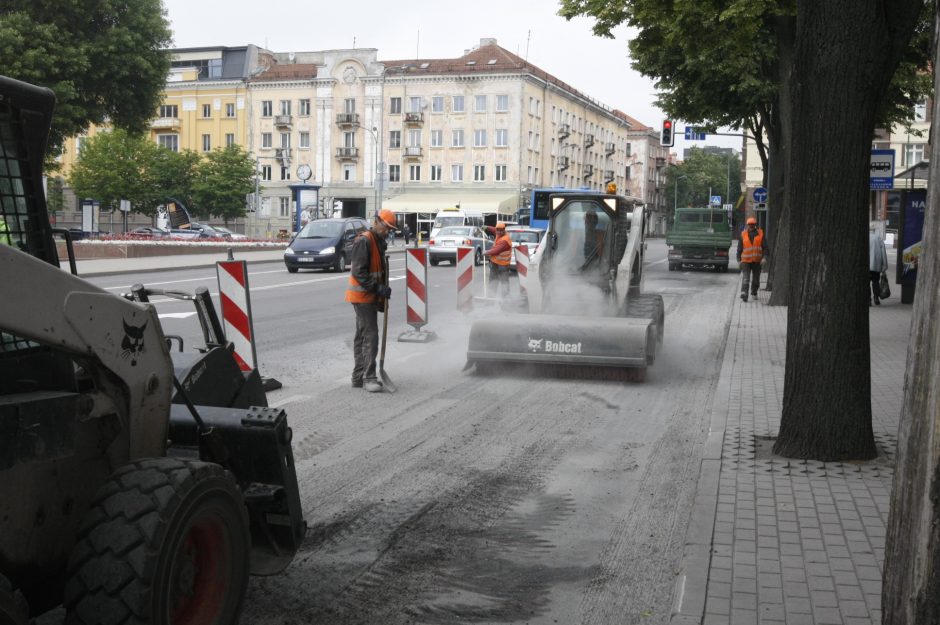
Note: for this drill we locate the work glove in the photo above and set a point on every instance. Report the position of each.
(384, 291)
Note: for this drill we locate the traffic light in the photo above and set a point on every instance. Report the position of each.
(666, 137)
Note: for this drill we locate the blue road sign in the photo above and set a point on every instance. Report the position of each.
(692, 135)
(760, 195)
(881, 174)
(716, 200)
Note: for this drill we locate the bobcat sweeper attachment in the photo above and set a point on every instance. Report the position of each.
(587, 314)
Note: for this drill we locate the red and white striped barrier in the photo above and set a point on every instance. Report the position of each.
(236, 311)
(522, 266)
(416, 296)
(464, 278)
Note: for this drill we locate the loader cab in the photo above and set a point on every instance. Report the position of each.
(583, 232)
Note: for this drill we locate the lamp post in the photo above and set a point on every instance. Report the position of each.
(675, 200)
(378, 175)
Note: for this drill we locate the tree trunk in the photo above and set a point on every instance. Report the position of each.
(835, 94)
(910, 593)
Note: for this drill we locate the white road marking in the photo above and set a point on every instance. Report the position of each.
(291, 399)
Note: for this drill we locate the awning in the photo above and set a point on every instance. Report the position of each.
(486, 202)
(920, 171)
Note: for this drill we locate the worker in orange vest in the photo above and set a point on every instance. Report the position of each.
(500, 255)
(752, 248)
(369, 292)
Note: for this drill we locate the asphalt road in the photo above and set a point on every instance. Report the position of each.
(476, 499)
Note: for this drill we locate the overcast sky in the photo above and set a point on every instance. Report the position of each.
(532, 29)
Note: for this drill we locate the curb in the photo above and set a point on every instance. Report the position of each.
(692, 583)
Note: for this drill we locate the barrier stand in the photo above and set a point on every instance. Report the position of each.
(522, 267)
(464, 271)
(416, 296)
(485, 298)
(236, 317)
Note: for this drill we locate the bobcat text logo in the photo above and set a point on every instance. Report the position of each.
(554, 347)
(133, 343)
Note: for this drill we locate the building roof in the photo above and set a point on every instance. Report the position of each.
(290, 71)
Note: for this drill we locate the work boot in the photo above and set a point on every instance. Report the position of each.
(743, 297)
(373, 386)
(357, 382)
(877, 301)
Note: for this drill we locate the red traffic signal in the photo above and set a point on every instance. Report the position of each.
(666, 136)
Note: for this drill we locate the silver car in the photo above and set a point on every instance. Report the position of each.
(444, 245)
(521, 235)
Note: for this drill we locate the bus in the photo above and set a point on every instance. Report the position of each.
(456, 217)
(538, 205)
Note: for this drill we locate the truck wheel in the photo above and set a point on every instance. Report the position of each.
(165, 542)
(672, 266)
(13, 607)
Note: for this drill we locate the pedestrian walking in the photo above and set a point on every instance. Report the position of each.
(752, 248)
(877, 263)
(500, 255)
(407, 232)
(369, 294)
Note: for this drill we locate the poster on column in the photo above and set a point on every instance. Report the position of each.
(912, 232)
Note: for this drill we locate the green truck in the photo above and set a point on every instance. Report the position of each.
(700, 237)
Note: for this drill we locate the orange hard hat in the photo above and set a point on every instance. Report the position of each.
(500, 226)
(387, 217)
(752, 220)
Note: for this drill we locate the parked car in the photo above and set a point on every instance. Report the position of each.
(148, 232)
(324, 244)
(213, 232)
(531, 237)
(186, 233)
(234, 236)
(443, 246)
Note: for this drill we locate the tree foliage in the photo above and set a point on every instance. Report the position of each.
(222, 181)
(702, 172)
(104, 59)
(114, 166)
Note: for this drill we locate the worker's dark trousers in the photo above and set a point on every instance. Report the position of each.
(499, 280)
(366, 343)
(875, 277)
(750, 275)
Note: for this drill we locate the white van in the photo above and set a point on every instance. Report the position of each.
(455, 217)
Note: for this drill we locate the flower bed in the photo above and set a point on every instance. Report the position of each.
(114, 247)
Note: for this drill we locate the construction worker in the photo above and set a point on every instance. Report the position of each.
(593, 239)
(500, 255)
(369, 292)
(5, 238)
(752, 248)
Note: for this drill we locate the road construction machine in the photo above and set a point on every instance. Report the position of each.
(131, 490)
(587, 315)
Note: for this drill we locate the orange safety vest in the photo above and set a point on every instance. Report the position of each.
(505, 256)
(753, 250)
(355, 293)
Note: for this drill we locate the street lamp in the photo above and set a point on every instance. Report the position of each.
(675, 199)
(378, 175)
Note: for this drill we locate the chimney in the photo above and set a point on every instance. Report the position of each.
(487, 41)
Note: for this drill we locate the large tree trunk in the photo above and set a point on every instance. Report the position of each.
(910, 594)
(845, 54)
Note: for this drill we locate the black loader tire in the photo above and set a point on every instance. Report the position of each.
(649, 306)
(166, 542)
(13, 608)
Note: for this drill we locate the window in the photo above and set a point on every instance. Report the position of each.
(414, 138)
(349, 139)
(435, 173)
(304, 107)
(285, 173)
(230, 109)
(502, 137)
(229, 139)
(207, 111)
(304, 139)
(479, 173)
(437, 104)
(529, 177)
(285, 139)
(414, 173)
(456, 173)
(349, 106)
(500, 173)
(394, 173)
(394, 106)
(267, 108)
(457, 138)
(913, 154)
(531, 139)
(437, 138)
(206, 143)
(170, 142)
(266, 173)
(266, 143)
(626, 172)
(414, 104)
(538, 141)
(502, 103)
(284, 206)
(394, 139)
(349, 173)
(285, 107)
(479, 103)
(479, 138)
(458, 104)
(920, 112)
(169, 111)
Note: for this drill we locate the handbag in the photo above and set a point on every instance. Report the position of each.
(883, 286)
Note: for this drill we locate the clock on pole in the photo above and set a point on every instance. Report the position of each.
(304, 172)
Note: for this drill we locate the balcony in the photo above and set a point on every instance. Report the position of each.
(587, 171)
(347, 120)
(609, 175)
(563, 131)
(165, 123)
(610, 148)
(414, 119)
(562, 163)
(412, 152)
(347, 154)
(588, 140)
(282, 121)
(282, 154)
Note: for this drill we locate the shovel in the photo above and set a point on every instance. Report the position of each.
(387, 383)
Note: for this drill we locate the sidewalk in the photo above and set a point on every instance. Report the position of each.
(778, 541)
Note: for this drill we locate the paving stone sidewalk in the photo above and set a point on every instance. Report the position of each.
(778, 541)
